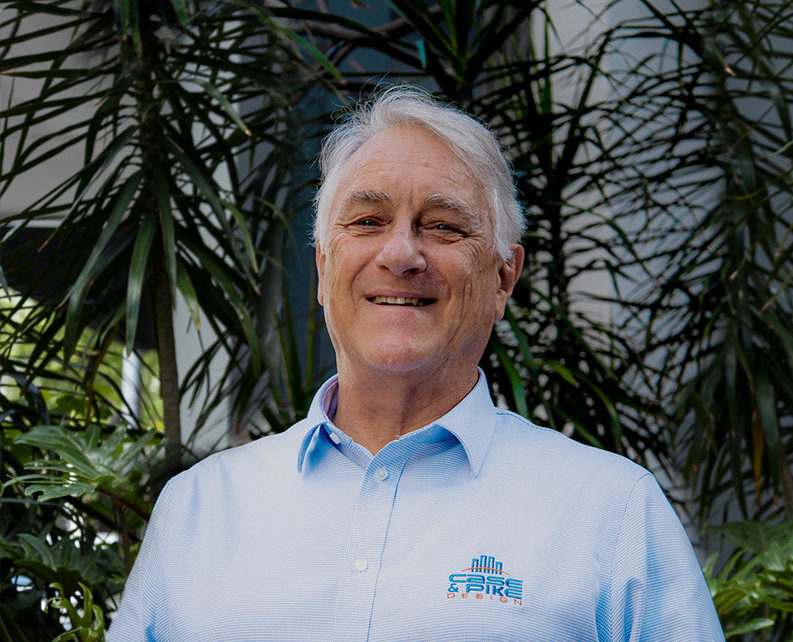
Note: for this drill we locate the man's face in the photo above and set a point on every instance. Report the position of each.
(408, 274)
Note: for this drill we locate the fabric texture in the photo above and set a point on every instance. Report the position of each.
(480, 526)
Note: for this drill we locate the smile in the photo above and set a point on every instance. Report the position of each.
(400, 300)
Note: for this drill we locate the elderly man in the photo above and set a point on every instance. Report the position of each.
(406, 506)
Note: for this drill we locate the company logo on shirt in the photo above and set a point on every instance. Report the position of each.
(485, 579)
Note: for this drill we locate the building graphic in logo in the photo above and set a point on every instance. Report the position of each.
(485, 579)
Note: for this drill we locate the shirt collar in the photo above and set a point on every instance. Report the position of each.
(471, 421)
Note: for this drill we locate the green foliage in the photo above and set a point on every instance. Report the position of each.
(289, 397)
(701, 170)
(93, 485)
(86, 627)
(86, 463)
(753, 592)
(174, 190)
(94, 488)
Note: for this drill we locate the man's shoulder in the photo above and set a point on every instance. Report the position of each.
(265, 455)
(520, 439)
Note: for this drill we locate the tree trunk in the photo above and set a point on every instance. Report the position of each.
(786, 481)
(150, 145)
(169, 376)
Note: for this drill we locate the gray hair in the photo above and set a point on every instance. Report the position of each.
(472, 142)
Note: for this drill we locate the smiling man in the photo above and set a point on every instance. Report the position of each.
(406, 506)
(410, 281)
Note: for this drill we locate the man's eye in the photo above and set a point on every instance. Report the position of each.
(445, 227)
(367, 222)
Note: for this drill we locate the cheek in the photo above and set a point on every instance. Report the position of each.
(330, 289)
(339, 271)
(478, 276)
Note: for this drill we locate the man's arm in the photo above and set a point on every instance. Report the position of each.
(134, 619)
(657, 591)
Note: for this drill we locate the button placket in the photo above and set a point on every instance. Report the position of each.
(367, 537)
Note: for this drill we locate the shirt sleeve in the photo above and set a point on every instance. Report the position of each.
(657, 591)
(135, 619)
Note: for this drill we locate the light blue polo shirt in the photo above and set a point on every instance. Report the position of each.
(480, 526)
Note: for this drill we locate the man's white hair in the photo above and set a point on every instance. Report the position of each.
(472, 142)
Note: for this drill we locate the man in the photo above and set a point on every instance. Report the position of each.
(406, 506)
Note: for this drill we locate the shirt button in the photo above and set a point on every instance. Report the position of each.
(381, 474)
(334, 438)
(361, 564)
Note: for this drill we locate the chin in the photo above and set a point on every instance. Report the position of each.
(400, 361)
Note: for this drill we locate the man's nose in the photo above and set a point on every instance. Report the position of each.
(401, 251)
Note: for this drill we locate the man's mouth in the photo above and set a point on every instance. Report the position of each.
(400, 300)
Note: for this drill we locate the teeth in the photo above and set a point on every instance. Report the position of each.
(398, 300)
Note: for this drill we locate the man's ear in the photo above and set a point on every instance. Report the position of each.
(508, 275)
(319, 259)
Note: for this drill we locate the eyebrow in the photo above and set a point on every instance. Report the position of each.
(367, 196)
(443, 202)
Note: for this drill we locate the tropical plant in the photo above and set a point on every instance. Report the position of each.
(159, 204)
(701, 148)
(74, 496)
(88, 626)
(753, 592)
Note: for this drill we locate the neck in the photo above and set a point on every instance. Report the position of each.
(375, 408)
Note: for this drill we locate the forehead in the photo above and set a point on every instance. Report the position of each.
(408, 161)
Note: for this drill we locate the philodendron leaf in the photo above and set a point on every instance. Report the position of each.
(56, 490)
(83, 462)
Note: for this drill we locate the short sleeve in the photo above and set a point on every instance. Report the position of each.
(657, 591)
(134, 620)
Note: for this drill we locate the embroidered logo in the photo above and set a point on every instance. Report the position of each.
(485, 579)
